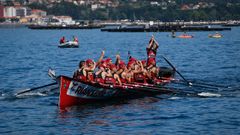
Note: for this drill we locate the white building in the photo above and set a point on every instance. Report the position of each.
(65, 19)
(154, 3)
(9, 12)
(94, 7)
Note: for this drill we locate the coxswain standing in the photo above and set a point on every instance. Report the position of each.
(151, 58)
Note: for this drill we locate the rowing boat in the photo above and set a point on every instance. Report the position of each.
(215, 36)
(77, 92)
(185, 36)
(69, 44)
(74, 92)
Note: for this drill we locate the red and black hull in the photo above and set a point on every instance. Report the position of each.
(74, 92)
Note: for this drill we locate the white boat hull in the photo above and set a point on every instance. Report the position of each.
(69, 44)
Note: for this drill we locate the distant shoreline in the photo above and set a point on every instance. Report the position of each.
(128, 22)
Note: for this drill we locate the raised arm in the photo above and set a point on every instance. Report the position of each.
(117, 59)
(100, 58)
(150, 43)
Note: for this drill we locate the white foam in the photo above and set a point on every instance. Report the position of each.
(208, 94)
(174, 98)
(32, 94)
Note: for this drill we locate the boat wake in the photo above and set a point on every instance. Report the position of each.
(40, 92)
(13, 95)
(25, 95)
(209, 94)
(174, 98)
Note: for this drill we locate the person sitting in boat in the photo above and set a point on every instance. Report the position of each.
(144, 63)
(62, 40)
(79, 74)
(75, 39)
(113, 71)
(129, 70)
(108, 71)
(117, 70)
(102, 71)
(122, 71)
(105, 66)
(88, 70)
(152, 69)
(139, 72)
(136, 71)
(102, 65)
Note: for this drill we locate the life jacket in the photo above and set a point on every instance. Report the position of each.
(82, 78)
(90, 77)
(123, 80)
(62, 40)
(151, 61)
(151, 53)
(78, 75)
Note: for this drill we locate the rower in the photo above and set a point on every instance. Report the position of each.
(78, 74)
(122, 69)
(138, 72)
(114, 70)
(89, 69)
(152, 68)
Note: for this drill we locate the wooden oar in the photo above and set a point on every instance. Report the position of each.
(169, 63)
(161, 89)
(203, 85)
(213, 85)
(35, 88)
(198, 85)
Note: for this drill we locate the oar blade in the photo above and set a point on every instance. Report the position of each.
(35, 88)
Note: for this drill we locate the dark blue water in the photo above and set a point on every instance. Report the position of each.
(26, 55)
